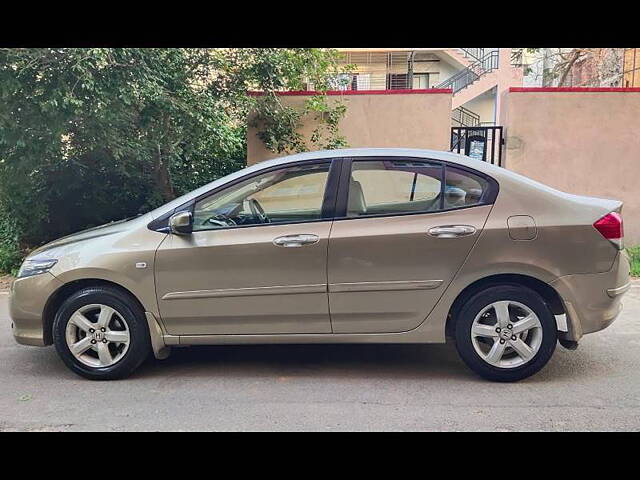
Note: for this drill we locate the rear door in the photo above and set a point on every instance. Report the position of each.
(404, 227)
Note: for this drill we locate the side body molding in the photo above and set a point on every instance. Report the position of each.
(384, 286)
(246, 292)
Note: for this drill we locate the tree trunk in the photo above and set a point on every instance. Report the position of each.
(568, 66)
(162, 178)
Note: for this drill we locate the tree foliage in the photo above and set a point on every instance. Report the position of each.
(92, 135)
(556, 65)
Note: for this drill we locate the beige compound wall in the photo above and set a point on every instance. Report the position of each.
(581, 141)
(420, 119)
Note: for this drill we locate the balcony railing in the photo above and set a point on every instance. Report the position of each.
(473, 72)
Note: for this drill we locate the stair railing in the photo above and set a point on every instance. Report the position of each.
(465, 117)
(475, 53)
(473, 72)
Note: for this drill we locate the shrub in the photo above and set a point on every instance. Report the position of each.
(10, 253)
(634, 255)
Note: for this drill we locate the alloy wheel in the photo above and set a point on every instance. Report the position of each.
(97, 335)
(506, 334)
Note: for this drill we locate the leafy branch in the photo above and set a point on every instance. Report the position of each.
(279, 125)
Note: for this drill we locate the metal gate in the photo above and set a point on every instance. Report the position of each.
(482, 143)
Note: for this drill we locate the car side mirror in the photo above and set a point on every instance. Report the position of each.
(181, 223)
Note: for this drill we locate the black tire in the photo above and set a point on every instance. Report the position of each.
(473, 306)
(139, 343)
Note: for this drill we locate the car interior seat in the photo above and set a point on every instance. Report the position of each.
(454, 197)
(356, 204)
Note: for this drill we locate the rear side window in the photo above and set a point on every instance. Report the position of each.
(400, 186)
(463, 188)
(380, 187)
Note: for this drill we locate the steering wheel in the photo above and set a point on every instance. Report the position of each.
(257, 211)
(218, 220)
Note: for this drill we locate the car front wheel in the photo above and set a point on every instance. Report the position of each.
(101, 333)
(505, 333)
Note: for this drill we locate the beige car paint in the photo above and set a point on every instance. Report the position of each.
(235, 281)
(26, 308)
(384, 257)
(597, 306)
(252, 291)
(115, 257)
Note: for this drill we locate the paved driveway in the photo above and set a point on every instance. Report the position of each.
(340, 387)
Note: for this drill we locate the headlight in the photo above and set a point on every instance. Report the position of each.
(35, 267)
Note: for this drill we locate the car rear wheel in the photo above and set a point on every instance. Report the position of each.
(101, 333)
(505, 333)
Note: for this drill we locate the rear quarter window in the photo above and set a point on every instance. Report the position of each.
(464, 188)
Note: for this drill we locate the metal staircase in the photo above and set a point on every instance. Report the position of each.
(467, 76)
(473, 53)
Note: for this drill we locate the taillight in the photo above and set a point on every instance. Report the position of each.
(610, 227)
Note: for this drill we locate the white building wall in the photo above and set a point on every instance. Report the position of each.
(484, 105)
(372, 66)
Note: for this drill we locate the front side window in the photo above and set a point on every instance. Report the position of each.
(293, 194)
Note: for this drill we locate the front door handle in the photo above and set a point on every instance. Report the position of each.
(452, 231)
(296, 240)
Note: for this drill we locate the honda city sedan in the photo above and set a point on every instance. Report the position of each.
(341, 246)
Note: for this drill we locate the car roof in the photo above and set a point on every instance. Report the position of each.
(373, 152)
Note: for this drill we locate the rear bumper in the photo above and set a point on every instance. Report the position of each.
(592, 301)
(27, 300)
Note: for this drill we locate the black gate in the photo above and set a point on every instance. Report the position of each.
(482, 143)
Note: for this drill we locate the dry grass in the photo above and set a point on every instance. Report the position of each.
(5, 282)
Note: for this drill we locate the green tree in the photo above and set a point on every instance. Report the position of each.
(92, 135)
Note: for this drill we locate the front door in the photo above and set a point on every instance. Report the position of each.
(256, 260)
(407, 227)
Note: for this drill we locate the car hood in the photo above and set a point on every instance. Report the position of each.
(94, 232)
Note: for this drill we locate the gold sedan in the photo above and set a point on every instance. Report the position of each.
(342, 246)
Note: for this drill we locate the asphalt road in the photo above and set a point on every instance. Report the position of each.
(340, 387)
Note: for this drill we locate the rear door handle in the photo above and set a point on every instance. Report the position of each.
(452, 231)
(296, 240)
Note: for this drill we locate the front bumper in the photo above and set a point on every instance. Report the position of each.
(592, 301)
(27, 300)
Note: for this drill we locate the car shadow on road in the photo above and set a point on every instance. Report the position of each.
(371, 361)
(438, 362)
(398, 361)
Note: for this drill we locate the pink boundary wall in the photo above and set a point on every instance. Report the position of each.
(376, 118)
(579, 140)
